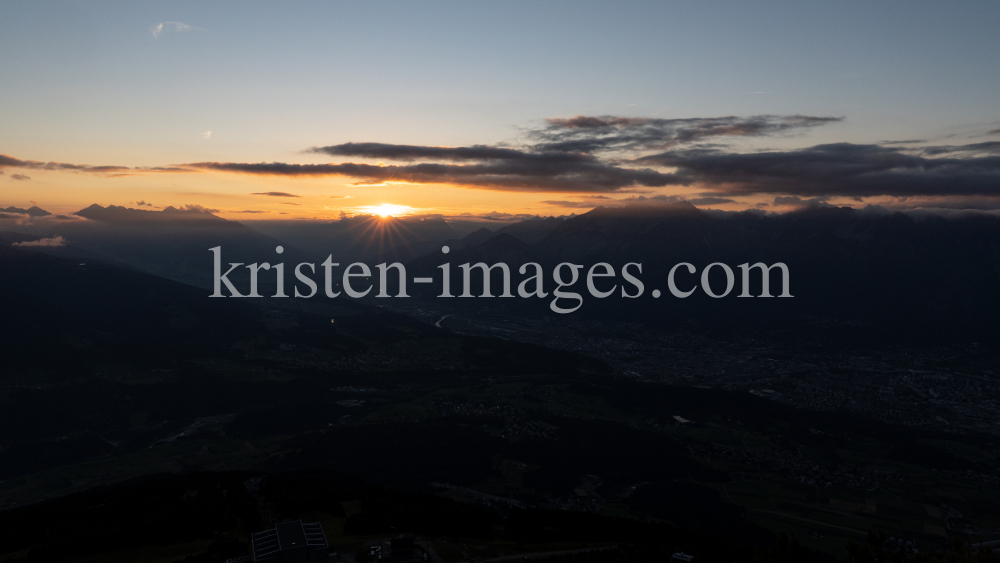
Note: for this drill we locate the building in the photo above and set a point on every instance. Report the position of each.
(289, 542)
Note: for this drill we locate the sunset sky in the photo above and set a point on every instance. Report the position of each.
(540, 108)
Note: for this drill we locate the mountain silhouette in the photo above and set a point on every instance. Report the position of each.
(60, 317)
(33, 211)
(532, 230)
(172, 243)
(853, 273)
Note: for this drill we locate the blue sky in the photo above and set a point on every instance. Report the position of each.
(91, 82)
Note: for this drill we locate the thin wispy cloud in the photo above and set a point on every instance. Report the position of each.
(206, 135)
(276, 194)
(177, 27)
(613, 134)
(7, 161)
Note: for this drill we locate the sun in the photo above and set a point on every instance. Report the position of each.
(386, 209)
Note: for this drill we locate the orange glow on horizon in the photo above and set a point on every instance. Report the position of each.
(240, 197)
(386, 210)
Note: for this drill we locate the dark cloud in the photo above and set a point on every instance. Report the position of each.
(564, 155)
(605, 133)
(523, 175)
(987, 147)
(249, 211)
(710, 200)
(276, 194)
(995, 132)
(7, 161)
(841, 169)
(19, 177)
(612, 154)
(409, 153)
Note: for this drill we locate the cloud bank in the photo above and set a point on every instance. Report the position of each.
(579, 154)
(521, 175)
(629, 155)
(610, 133)
(608, 154)
(7, 161)
(842, 169)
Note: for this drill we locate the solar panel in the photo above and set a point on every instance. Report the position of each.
(288, 537)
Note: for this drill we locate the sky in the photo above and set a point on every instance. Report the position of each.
(307, 109)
